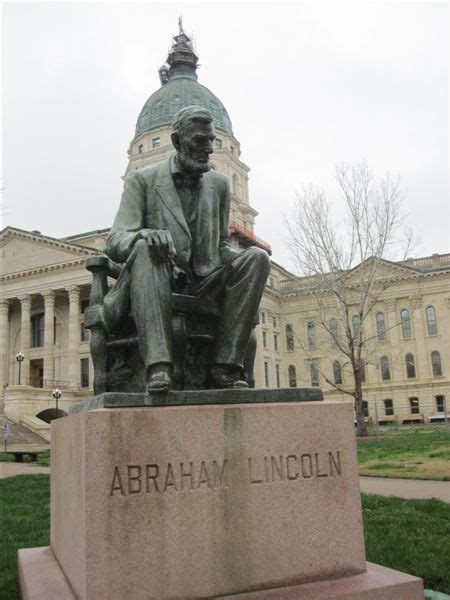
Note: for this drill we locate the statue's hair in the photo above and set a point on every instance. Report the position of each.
(188, 115)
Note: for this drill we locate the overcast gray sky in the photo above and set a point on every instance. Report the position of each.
(306, 86)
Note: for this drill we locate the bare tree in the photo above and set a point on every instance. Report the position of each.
(344, 259)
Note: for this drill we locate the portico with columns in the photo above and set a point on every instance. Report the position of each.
(41, 316)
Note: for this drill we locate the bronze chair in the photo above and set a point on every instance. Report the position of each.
(114, 344)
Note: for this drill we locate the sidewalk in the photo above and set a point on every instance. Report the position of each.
(406, 488)
(9, 469)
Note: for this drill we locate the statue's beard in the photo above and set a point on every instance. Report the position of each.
(193, 164)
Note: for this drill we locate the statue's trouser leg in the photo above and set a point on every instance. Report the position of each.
(151, 306)
(242, 294)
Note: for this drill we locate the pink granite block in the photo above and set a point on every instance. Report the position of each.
(204, 501)
(42, 579)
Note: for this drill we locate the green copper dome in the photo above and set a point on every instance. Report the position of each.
(180, 88)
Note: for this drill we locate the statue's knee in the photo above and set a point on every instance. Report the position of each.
(259, 256)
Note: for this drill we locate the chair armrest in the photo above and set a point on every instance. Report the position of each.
(101, 268)
(103, 263)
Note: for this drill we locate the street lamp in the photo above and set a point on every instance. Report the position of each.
(56, 395)
(20, 357)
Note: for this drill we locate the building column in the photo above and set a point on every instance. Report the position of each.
(4, 350)
(25, 324)
(49, 336)
(74, 336)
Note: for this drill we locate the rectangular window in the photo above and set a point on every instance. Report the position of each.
(266, 373)
(277, 369)
(263, 317)
(37, 331)
(440, 404)
(84, 333)
(388, 407)
(414, 406)
(84, 372)
(264, 339)
(141, 148)
(84, 304)
(156, 142)
(275, 343)
(274, 322)
(218, 143)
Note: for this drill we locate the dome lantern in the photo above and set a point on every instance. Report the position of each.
(180, 88)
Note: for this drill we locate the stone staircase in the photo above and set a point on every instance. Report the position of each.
(20, 436)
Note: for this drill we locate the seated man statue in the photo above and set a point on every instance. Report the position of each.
(171, 230)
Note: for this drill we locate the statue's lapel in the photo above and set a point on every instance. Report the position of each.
(204, 209)
(169, 196)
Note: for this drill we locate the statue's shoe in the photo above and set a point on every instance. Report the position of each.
(223, 378)
(159, 382)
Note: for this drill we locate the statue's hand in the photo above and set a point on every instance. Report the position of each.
(160, 243)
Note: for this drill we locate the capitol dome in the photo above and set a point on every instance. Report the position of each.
(180, 88)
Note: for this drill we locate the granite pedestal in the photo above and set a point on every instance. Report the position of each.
(207, 501)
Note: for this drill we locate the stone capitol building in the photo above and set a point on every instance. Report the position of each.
(45, 292)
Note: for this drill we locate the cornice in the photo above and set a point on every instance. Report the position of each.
(45, 269)
(48, 241)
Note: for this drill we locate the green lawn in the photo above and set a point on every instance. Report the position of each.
(415, 453)
(24, 523)
(409, 535)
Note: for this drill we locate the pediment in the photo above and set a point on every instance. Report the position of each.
(385, 269)
(23, 251)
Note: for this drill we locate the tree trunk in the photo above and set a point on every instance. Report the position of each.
(361, 426)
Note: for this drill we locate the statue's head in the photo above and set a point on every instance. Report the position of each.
(193, 135)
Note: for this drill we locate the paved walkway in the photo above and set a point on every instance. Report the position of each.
(406, 488)
(8, 469)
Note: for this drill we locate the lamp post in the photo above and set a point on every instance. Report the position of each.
(56, 395)
(20, 357)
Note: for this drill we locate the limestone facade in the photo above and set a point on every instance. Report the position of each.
(45, 290)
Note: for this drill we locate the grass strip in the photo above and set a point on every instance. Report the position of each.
(418, 453)
(412, 536)
(24, 523)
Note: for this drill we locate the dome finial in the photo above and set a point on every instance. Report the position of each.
(180, 25)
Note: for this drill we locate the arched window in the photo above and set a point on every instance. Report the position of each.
(381, 327)
(436, 364)
(388, 407)
(292, 376)
(406, 323)
(356, 321)
(289, 338)
(311, 335)
(337, 372)
(414, 406)
(362, 370)
(440, 403)
(334, 331)
(410, 366)
(385, 368)
(431, 320)
(314, 374)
